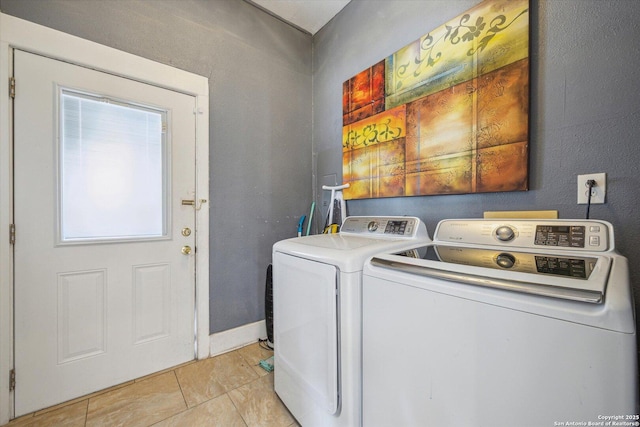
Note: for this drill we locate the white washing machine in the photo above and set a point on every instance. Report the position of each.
(317, 289)
(501, 323)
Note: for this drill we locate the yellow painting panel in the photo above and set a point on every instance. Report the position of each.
(358, 189)
(445, 175)
(487, 37)
(509, 32)
(358, 165)
(382, 127)
(376, 171)
(422, 63)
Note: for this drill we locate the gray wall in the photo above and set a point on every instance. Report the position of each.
(584, 117)
(259, 72)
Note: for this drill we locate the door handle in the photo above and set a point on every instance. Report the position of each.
(186, 250)
(192, 202)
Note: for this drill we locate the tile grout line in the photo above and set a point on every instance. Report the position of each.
(237, 409)
(246, 423)
(208, 400)
(229, 396)
(181, 391)
(183, 399)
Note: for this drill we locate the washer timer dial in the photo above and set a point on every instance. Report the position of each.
(372, 226)
(505, 233)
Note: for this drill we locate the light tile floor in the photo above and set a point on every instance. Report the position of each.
(228, 390)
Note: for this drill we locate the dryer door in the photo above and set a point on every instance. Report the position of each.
(305, 323)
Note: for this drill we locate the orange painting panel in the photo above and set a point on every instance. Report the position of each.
(503, 168)
(440, 124)
(503, 105)
(363, 95)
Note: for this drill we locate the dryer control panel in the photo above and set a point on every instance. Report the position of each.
(384, 226)
(580, 235)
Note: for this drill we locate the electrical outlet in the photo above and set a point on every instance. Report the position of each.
(598, 191)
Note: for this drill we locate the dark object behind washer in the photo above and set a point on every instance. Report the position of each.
(268, 304)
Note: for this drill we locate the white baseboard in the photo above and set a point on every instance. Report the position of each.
(231, 339)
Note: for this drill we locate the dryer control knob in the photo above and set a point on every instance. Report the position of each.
(505, 260)
(372, 226)
(505, 233)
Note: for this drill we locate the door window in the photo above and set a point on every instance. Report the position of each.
(113, 168)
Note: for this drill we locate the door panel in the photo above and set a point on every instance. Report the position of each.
(81, 315)
(305, 317)
(90, 314)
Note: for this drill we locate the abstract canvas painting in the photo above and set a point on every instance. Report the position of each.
(446, 114)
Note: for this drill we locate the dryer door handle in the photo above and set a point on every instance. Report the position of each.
(582, 295)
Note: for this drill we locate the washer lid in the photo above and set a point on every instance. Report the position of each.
(347, 252)
(553, 274)
(608, 303)
(339, 242)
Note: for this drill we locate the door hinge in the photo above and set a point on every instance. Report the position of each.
(12, 234)
(12, 380)
(12, 87)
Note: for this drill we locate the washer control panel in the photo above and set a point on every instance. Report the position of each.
(587, 235)
(563, 235)
(383, 226)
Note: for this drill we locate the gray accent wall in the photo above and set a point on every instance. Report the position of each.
(584, 117)
(259, 71)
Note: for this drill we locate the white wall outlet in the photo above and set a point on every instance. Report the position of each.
(598, 191)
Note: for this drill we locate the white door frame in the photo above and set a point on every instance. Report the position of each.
(25, 35)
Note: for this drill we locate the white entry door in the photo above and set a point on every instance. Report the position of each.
(104, 279)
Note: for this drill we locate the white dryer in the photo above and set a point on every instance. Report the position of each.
(317, 290)
(501, 323)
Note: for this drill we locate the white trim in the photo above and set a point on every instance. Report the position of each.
(6, 253)
(21, 34)
(202, 224)
(232, 339)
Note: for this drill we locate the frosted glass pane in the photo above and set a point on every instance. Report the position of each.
(112, 169)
